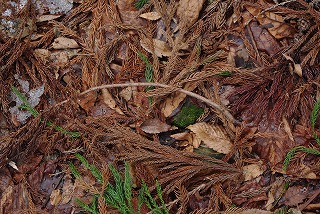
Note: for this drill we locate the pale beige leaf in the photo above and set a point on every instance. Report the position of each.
(109, 101)
(255, 211)
(188, 11)
(159, 47)
(43, 54)
(152, 16)
(48, 17)
(252, 171)
(128, 93)
(55, 197)
(275, 191)
(212, 136)
(154, 126)
(172, 102)
(63, 43)
(297, 67)
(13, 165)
(287, 128)
(67, 191)
(276, 25)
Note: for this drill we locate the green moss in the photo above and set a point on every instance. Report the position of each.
(188, 115)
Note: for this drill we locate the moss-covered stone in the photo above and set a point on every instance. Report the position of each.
(188, 115)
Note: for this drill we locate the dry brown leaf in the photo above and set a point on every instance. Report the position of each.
(212, 136)
(55, 197)
(305, 172)
(275, 191)
(188, 12)
(255, 211)
(160, 48)
(287, 128)
(63, 43)
(278, 28)
(264, 40)
(182, 136)
(48, 17)
(67, 191)
(87, 101)
(172, 102)
(109, 101)
(152, 16)
(128, 93)
(43, 54)
(154, 126)
(295, 195)
(252, 171)
(296, 67)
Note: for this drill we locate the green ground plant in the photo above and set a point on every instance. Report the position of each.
(148, 73)
(119, 195)
(140, 3)
(26, 106)
(290, 154)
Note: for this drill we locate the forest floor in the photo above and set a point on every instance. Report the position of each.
(216, 100)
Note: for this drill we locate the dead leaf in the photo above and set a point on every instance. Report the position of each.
(67, 191)
(43, 54)
(87, 101)
(295, 195)
(152, 16)
(172, 103)
(63, 43)
(48, 17)
(274, 23)
(305, 172)
(13, 165)
(188, 12)
(264, 40)
(287, 128)
(296, 67)
(55, 197)
(160, 48)
(275, 191)
(128, 93)
(212, 136)
(252, 171)
(255, 211)
(109, 101)
(154, 126)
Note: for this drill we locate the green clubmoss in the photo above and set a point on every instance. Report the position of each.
(188, 115)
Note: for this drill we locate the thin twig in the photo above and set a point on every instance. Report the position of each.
(189, 93)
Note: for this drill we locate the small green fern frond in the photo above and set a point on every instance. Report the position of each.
(86, 207)
(159, 192)
(145, 197)
(74, 170)
(27, 106)
(140, 3)
(148, 73)
(291, 153)
(314, 116)
(127, 186)
(92, 168)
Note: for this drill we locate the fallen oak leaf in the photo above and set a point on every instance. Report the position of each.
(152, 16)
(212, 136)
(154, 126)
(63, 43)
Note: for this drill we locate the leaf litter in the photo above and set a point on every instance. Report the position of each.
(248, 68)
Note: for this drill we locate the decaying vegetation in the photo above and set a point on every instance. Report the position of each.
(206, 97)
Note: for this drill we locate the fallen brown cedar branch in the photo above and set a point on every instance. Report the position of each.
(189, 93)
